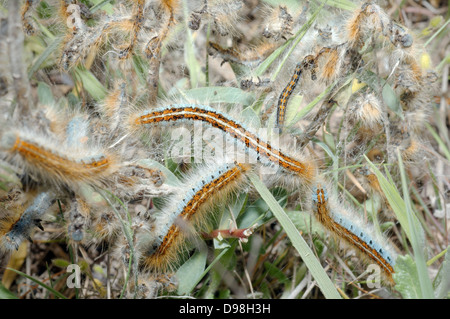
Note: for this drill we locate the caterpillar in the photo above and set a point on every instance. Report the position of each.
(309, 62)
(285, 95)
(262, 150)
(201, 191)
(42, 157)
(346, 228)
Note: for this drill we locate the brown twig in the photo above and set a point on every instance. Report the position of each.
(242, 233)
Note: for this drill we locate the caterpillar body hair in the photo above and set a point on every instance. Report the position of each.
(42, 156)
(21, 229)
(77, 132)
(331, 67)
(371, 180)
(200, 191)
(105, 224)
(221, 14)
(279, 23)
(258, 148)
(367, 109)
(77, 45)
(357, 235)
(112, 106)
(371, 17)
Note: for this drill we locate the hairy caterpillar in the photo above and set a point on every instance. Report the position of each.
(310, 62)
(41, 156)
(252, 143)
(285, 95)
(346, 228)
(190, 207)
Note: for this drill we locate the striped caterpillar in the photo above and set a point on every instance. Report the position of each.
(190, 208)
(357, 235)
(42, 157)
(251, 143)
(328, 71)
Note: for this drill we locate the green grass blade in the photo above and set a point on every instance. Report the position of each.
(432, 260)
(439, 141)
(341, 4)
(442, 281)
(191, 272)
(40, 283)
(217, 94)
(44, 55)
(5, 293)
(437, 32)
(392, 195)
(203, 274)
(324, 282)
(91, 84)
(195, 70)
(417, 237)
(304, 111)
(407, 278)
(296, 38)
(102, 4)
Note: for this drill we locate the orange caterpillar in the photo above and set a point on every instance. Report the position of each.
(252, 143)
(354, 233)
(191, 208)
(286, 94)
(43, 159)
(328, 71)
